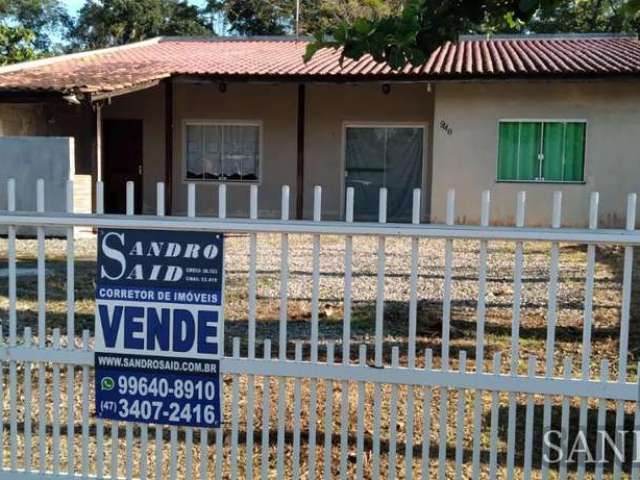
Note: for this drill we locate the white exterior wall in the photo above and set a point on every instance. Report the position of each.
(467, 159)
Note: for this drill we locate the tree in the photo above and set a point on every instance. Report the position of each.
(422, 25)
(278, 17)
(16, 44)
(418, 28)
(587, 16)
(28, 28)
(254, 17)
(103, 23)
(48, 21)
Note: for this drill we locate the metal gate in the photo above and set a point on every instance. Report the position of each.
(357, 407)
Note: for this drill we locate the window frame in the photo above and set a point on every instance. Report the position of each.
(544, 120)
(222, 123)
(381, 124)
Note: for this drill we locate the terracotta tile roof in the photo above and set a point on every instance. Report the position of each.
(122, 67)
(545, 56)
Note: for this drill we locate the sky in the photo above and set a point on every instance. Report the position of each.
(73, 5)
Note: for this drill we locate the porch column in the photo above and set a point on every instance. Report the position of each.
(95, 111)
(99, 141)
(302, 100)
(168, 145)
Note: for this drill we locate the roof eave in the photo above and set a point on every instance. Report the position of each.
(30, 96)
(24, 95)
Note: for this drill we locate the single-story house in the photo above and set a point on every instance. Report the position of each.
(535, 113)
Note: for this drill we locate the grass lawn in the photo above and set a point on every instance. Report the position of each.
(535, 294)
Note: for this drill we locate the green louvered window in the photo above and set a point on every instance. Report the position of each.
(541, 151)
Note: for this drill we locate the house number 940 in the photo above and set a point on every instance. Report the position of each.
(445, 126)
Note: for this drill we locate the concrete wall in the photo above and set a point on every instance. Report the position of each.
(329, 107)
(148, 106)
(25, 159)
(52, 120)
(467, 159)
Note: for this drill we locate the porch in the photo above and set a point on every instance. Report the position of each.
(364, 135)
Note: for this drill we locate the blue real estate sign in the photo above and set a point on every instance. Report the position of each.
(158, 326)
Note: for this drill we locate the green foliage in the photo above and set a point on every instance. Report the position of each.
(588, 16)
(103, 23)
(420, 26)
(396, 31)
(277, 17)
(254, 17)
(46, 19)
(17, 44)
(27, 28)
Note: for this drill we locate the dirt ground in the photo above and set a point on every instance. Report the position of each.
(535, 295)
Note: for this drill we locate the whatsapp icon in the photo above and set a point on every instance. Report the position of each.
(107, 383)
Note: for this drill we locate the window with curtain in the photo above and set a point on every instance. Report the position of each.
(541, 151)
(221, 152)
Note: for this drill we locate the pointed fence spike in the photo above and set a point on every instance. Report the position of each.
(631, 211)
(451, 207)
(191, 200)
(99, 197)
(382, 205)
(236, 347)
(317, 203)
(130, 197)
(222, 201)
(428, 359)
(284, 203)
(11, 195)
(395, 357)
(69, 196)
(594, 201)
(330, 352)
(362, 354)
(415, 214)
(253, 202)
(40, 195)
(520, 208)
(485, 208)
(160, 199)
(462, 361)
(556, 215)
(348, 211)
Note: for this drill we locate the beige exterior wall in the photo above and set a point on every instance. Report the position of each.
(148, 106)
(22, 119)
(330, 107)
(275, 107)
(467, 159)
(52, 120)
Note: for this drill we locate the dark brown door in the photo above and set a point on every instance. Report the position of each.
(122, 140)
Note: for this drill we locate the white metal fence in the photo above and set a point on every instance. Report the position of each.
(321, 413)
